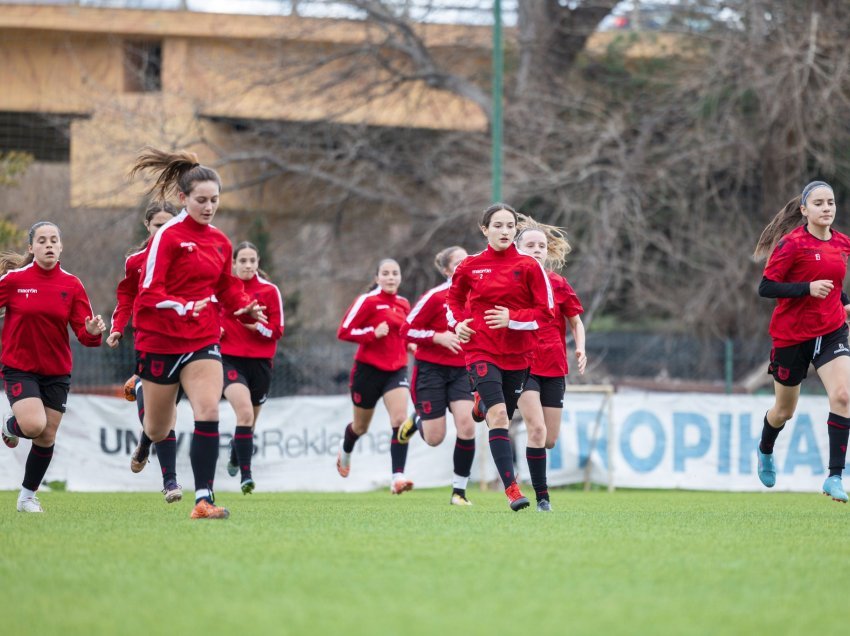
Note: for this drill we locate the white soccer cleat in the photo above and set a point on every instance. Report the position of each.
(343, 462)
(29, 504)
(400, 484)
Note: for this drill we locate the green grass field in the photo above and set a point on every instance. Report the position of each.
(629, 563)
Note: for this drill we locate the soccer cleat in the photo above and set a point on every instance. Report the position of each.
(130, 388)
(516, 499)
(477, 413)
(205, 510)
(400, 484)
(247, 486)
(172, 491)
(766, 468)
(544, 506)
(343, 462)
(29, 504)
(232, 462)
(8, 439)
(459, 500)
(139, 458)
(407, 429)
(833, 487)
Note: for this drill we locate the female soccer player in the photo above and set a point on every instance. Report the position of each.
(176, 321)
(542, 399)
(805, 271)
(439, 377)
(497, 301)
(380, 367)
(157, 214)
(41, 300)
(247, 350)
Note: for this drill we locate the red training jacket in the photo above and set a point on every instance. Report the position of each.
(428, 317)
(511, 279)
(550, 358)
(40, 304)
(186, 261)
(800, 257)
(127, 291)
(368, 311)
(238, 340)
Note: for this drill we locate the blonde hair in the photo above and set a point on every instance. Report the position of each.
(557, 245)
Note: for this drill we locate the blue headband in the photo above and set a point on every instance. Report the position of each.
(808, 190)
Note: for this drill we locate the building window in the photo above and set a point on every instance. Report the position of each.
(142, 66)
(46, 136)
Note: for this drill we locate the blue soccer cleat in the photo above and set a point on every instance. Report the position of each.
(766, 468)
(833, 487)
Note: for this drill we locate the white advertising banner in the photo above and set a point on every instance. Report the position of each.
(658, 440)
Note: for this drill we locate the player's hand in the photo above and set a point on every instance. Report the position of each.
(581, 358)
(820, 288)
(464, 331)
(498, 317)
(449, 340)
(255, 310)
(382, 330)
(113, 339)
(95, 326)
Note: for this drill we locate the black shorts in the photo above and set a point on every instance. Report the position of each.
(551, 390)
(368, 383)
(164, 368)
(435, 386)
(496, 386)
(789, 365)
(52, 390)
(255, 373)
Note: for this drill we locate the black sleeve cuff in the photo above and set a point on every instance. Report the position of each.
(772, 289)
(845, 299)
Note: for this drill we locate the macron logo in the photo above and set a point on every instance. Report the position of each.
(382, 307)
(28, 291)
(482, 271)
(189, 245)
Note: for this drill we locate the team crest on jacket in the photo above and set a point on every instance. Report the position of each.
(516, 274)
(157, 367)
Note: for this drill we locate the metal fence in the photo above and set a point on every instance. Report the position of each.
(319, 364)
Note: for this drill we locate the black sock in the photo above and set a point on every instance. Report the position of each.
(233, 458)
(398, 453)
(203, 452)
(768, 437)
(145, 442)
(536, 458)
(37, 462)
(839, 430)
(500, 449)
(166, 453)
(417, 424)
(350, 439)
(463, 456)
(15, 429)
(243, 444)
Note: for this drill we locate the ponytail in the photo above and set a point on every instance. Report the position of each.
(788, 218)
(175, 171)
